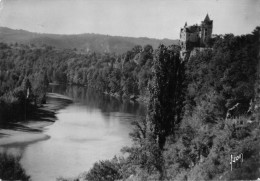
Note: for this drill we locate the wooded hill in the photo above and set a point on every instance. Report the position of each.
(83, 42)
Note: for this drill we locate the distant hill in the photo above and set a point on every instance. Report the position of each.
(84, 42)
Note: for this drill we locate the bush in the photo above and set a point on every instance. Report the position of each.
(105, 171)
(10, 168)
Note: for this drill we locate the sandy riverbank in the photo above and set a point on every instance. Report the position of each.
(32, 130)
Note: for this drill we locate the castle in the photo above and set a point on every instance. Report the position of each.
(195, 36)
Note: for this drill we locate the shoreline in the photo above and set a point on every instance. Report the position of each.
(138, 99)
(31, 131)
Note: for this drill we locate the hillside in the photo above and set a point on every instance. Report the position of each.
(85, 42)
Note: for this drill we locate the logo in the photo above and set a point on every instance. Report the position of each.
(236, 159)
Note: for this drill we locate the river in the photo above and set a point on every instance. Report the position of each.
(94, 127)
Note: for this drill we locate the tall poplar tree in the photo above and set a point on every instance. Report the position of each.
(166, 93)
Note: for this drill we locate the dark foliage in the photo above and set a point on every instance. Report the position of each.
(10, 168)
(217, 79)
(166, 93)
(105, 171)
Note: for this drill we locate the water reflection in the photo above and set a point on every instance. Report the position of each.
(93, 99)
(14, 150)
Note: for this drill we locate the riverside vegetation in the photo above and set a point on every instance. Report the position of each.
(21, 93)
(185, 135)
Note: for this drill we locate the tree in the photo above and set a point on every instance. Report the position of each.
(24, 91)
(11, 169)
(145, 158)
(114, 81)
(40, 86)
(105, 171)
(166, 93)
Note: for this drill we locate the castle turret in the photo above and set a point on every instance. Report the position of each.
(206, 30)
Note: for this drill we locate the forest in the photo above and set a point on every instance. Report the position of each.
(189, 131)
(124, 75)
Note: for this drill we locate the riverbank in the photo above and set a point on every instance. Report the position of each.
(139, 99)
(133, 98)
(32, 130)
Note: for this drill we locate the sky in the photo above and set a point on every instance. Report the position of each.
(132, 18)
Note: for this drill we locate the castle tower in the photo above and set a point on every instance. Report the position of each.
(206, 30)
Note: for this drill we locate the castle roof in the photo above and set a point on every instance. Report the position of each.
(207, 18)
(192, 29)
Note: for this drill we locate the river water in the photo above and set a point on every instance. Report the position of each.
(94, 127)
